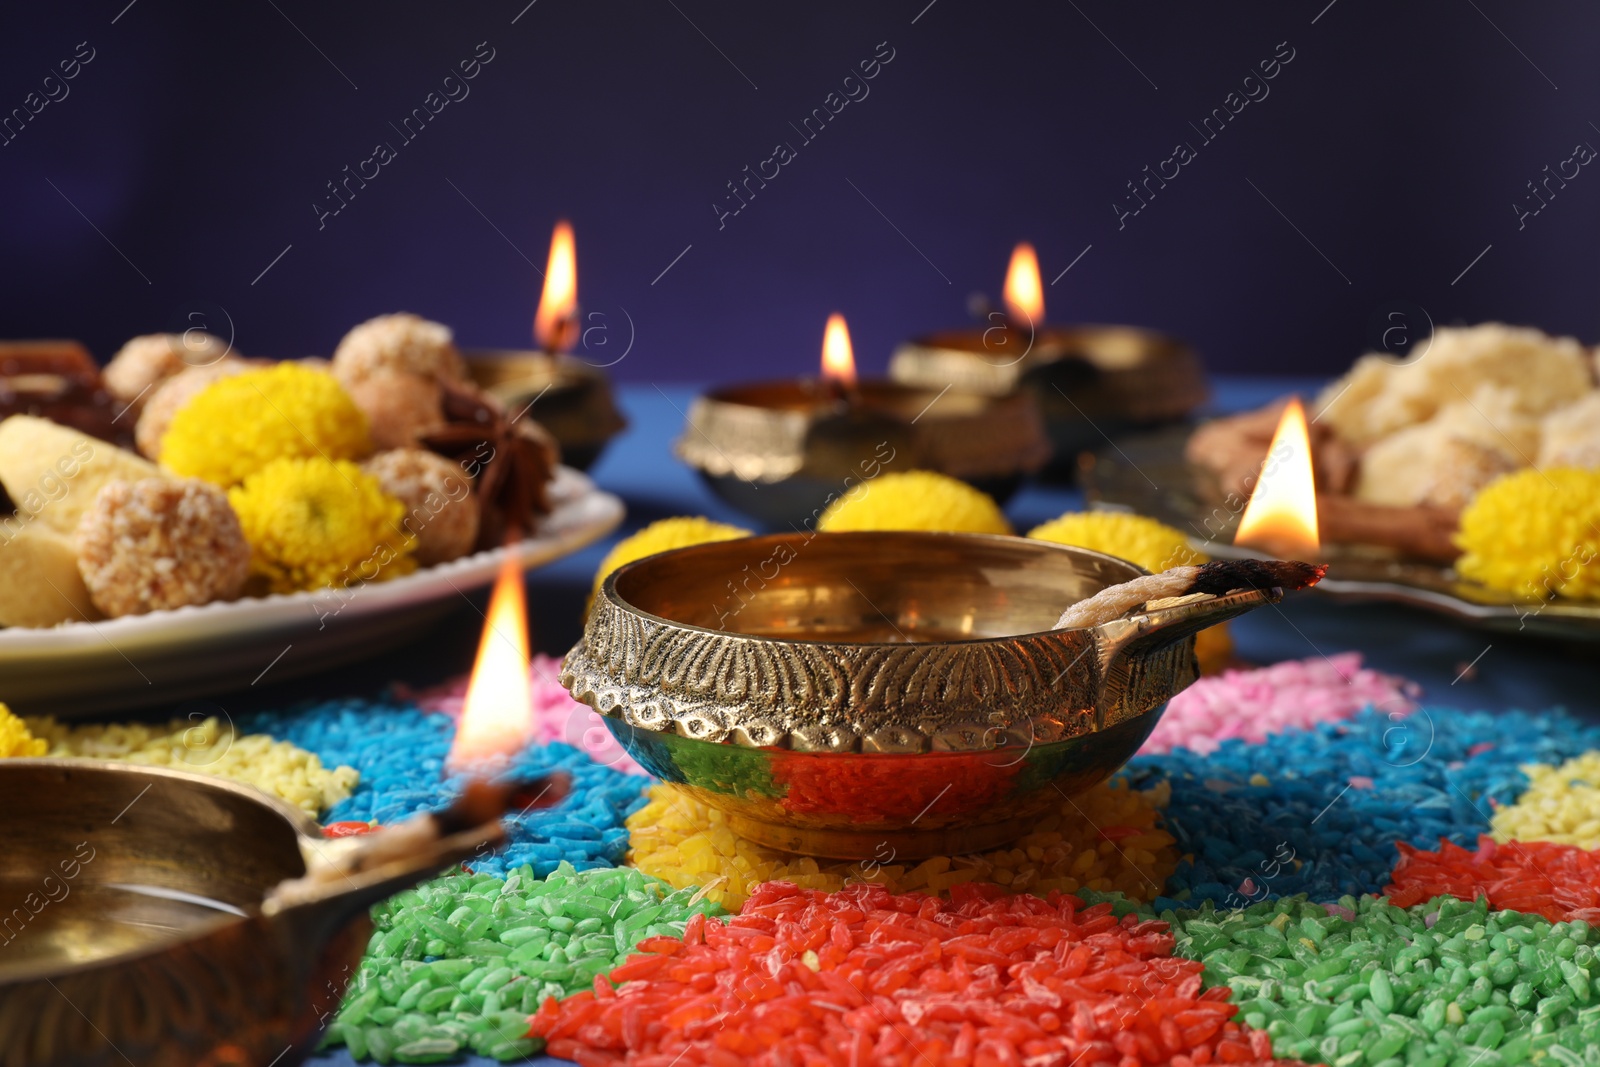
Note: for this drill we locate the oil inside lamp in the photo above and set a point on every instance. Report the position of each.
(555, 324)
(1281, 516)
(495, 719)
(1024, 290)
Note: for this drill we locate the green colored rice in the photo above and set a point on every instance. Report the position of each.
(459, 963)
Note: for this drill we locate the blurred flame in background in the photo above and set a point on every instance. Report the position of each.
(838, 357)
(555, 324)
(1024, 291)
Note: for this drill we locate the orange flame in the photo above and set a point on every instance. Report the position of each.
(496, 720)
(555, 324)
(838, 358)
(1282, 514)
(1024, 291)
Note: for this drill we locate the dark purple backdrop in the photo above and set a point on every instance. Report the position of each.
(1383, 158)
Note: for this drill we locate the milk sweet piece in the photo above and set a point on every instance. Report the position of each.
(39, 580)
(52, 473)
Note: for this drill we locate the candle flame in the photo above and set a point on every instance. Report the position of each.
(1282, 513)
(838, 358)
(555, 324)
(496, 720)
(1024, 291)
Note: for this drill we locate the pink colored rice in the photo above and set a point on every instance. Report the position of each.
(1251, 704)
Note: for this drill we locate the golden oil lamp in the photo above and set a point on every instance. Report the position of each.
(568, 396)
(783, 450)
(171, 919)
(1090, 381)
(840, 693)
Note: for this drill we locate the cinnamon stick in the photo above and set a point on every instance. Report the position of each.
(1423, 532)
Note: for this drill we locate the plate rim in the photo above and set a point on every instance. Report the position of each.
(565, 530)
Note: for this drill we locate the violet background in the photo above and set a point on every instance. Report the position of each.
(200, 135)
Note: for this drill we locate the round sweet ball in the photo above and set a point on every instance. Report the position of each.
(442, 510)
(160, 543)
(147, 361)
(165, 399)
(400, 343)
(399, 406)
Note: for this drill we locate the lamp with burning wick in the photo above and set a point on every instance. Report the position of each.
(207, 881)
(782, 450)
(1089, 380)
(570, 397)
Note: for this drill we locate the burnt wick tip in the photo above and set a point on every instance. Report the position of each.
(482, 801)
(1224, 575)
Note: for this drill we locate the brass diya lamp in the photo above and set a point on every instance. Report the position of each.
(1089, 381)
(842, 694)
(569, 397)
(167, 919)
(170, 919)
(783, 450)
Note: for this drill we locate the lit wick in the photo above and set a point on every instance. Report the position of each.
(496, 717)
(1024, 290)
(839, 361)
(1281, 516)
(555, 324)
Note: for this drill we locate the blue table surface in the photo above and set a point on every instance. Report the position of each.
(1508, 671)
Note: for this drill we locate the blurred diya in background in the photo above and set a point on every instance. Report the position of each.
(568, 396)
(782, 451)
(1089, 381)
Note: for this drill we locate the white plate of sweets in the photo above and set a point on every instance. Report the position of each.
(126, 584)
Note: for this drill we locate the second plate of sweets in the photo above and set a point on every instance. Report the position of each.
(1464, 479)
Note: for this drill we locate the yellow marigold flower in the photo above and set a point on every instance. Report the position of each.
(1213, 649)
(1153, 545)
(1535, 533)
(915, 500)
(677, 532)
(238, 425)
(16, 740)
(319, 522)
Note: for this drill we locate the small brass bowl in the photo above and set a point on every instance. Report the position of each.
(1090, 381)
(840, 694)
(566, 396)
(782, 451)
(137, 928)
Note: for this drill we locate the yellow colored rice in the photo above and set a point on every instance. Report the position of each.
(1561, 804)
(685, 843)
(275, 767)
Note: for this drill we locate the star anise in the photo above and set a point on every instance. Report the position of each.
(511, 463)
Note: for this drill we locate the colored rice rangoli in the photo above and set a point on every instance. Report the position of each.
(1303, 864)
